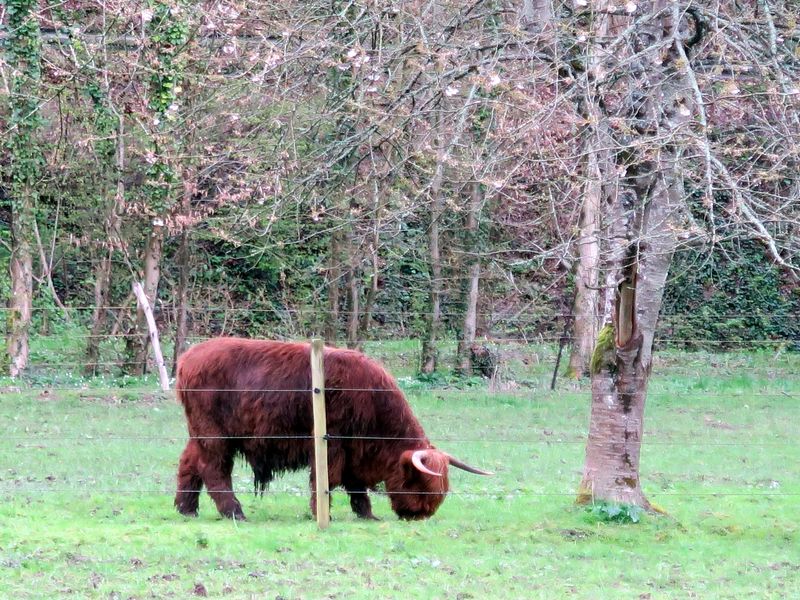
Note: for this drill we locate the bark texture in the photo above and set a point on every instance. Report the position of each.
(619, 387)
(537, 15)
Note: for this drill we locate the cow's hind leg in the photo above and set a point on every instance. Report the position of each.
(216, 472)
(190, 484)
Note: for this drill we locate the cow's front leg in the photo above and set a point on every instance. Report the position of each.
(359, 500)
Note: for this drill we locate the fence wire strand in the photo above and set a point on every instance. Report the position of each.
(541, 337)
(483, 493)
(417, 313)
(684, 441)
(88, 393)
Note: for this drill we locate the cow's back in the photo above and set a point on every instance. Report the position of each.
(243, 387)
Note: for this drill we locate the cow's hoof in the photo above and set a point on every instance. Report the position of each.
(235, 513)
(187, 512)
(369, 517)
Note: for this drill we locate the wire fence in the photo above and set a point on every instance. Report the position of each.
(779, 370)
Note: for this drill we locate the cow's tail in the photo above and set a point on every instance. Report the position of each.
(179, 393)
(180, 385)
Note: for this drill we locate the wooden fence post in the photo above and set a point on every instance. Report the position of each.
(151, 324)
(320, 434)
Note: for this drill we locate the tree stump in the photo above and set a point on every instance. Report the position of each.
(484, 360)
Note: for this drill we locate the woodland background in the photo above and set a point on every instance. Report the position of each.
(362, 169)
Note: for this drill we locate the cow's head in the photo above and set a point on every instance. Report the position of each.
(417, 491)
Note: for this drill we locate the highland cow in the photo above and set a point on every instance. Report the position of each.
(252, 398)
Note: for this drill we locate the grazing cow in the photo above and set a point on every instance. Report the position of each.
(253, 398)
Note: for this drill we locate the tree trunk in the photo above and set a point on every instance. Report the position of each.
(102, 280)
(45, 266)
(102, 270)
(152, 275)
(372, 292)
(353, 295)
(181, 296)
(472, 266)
(536, 15)
(183, 259)
(586, 320)
(334, 275)
(23, 163)
(20, 302)
(619, 381)
(433, 319)
(640, 208)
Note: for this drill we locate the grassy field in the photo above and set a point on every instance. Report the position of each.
(87, 475)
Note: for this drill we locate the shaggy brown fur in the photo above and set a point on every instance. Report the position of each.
(240, 396)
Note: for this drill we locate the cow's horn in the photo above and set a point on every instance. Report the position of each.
(464, 466)
(416, 460)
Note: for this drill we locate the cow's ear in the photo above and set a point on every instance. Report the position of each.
(406, 464)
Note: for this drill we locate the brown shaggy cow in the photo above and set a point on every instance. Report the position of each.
(250, 397)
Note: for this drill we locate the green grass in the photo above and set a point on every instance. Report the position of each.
(87, 477)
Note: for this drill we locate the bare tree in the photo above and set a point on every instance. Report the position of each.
(642, 198)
